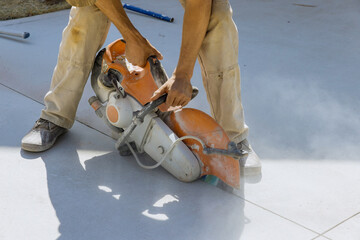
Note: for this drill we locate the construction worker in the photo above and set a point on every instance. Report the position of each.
(209, 34)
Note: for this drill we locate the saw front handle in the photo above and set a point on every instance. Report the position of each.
(149, 107)
(232, 151)
(159, 74)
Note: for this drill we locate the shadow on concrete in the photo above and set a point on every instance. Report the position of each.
(111, 197)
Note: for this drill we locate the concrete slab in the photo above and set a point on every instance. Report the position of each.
(321, 238)
(347, 230)
(300, 92)
(298, 70)
(82, 189)
(310, 192)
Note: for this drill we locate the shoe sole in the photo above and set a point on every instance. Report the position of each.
(36, 148)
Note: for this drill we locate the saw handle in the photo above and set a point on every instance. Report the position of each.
(159, 74)
(159, 101)
(151, 106)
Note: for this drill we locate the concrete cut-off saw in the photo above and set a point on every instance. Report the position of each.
(187, 142)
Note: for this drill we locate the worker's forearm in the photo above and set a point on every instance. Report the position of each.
(114, 10)
(196, 20)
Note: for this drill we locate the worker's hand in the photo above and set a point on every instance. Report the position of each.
(179, 92)
(139, 49)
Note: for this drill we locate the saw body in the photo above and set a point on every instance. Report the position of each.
(188, 143)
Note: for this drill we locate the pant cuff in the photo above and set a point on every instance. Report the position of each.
(56, 120)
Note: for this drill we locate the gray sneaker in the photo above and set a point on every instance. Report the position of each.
(42, 136)
(250, 164)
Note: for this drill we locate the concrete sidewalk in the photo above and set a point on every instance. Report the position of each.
(299, 65)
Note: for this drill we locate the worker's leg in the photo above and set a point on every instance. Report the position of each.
(81, 39)
(220, 70)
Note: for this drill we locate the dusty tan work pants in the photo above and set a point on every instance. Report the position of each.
(218, 57)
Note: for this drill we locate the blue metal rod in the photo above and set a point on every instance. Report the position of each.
(149, 13)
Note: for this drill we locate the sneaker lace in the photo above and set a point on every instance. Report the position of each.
(42, 123)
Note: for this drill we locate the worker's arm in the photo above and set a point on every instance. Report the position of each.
(138, 49)
(196, 20)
